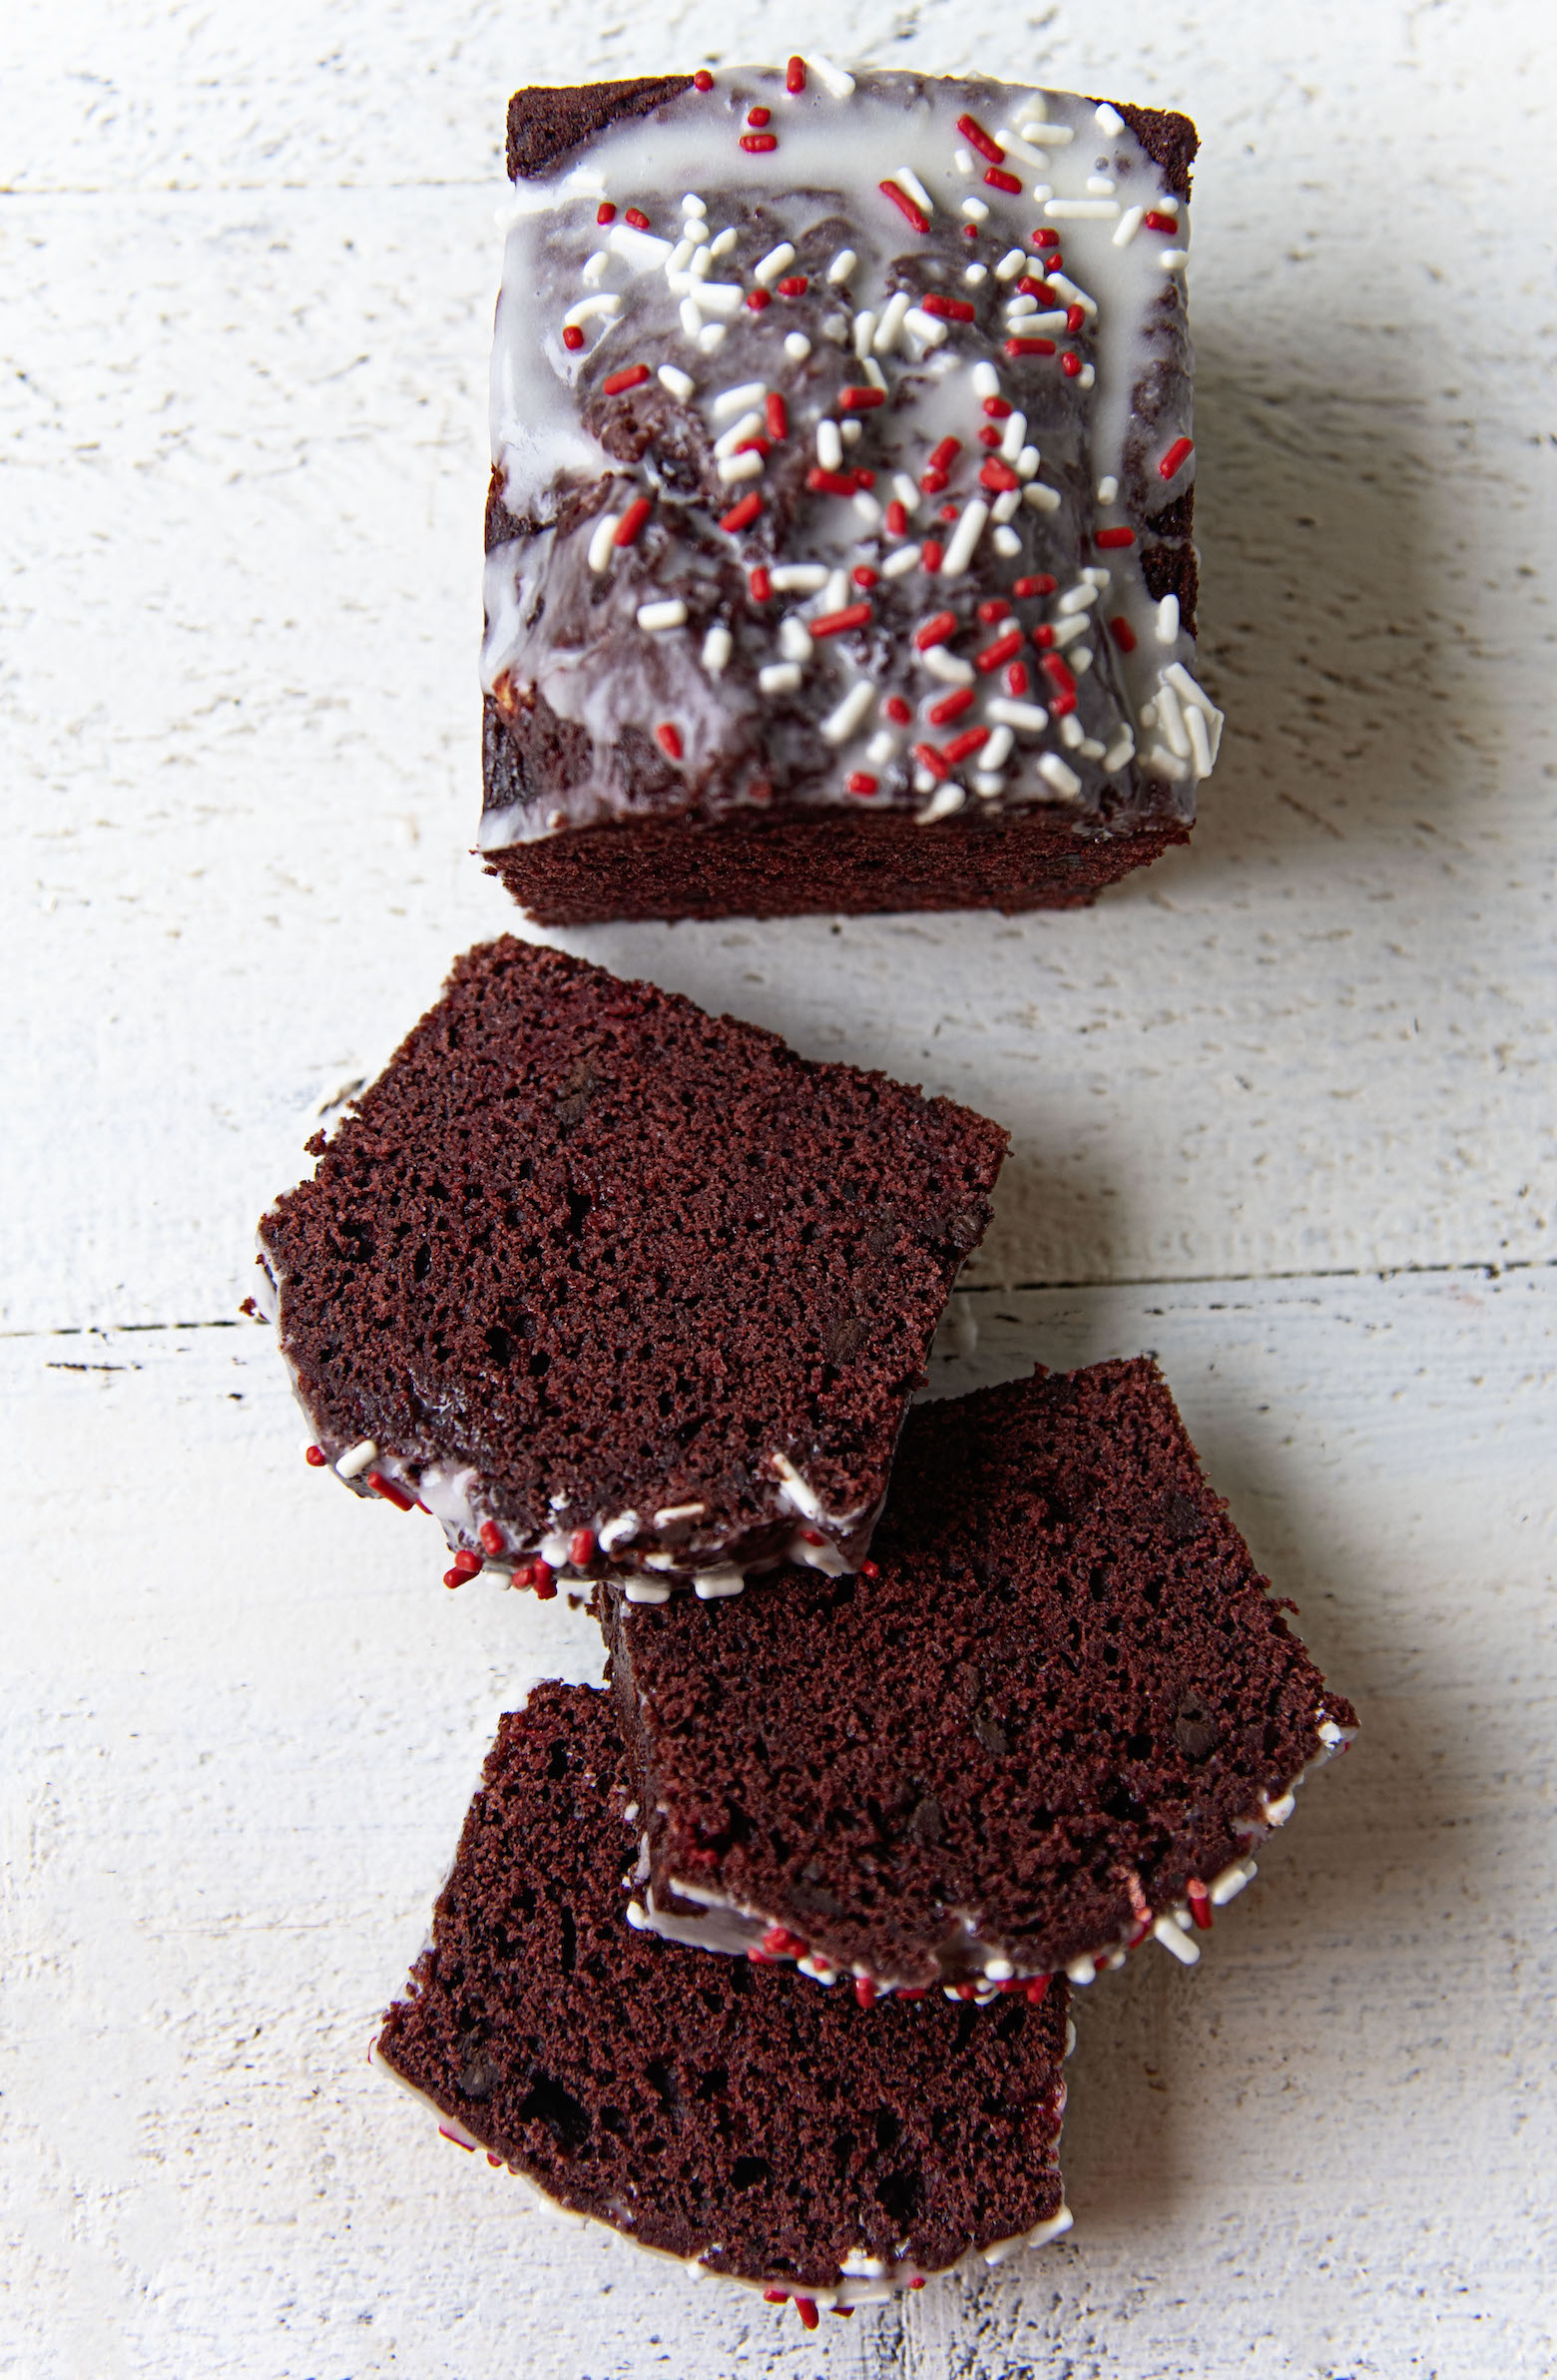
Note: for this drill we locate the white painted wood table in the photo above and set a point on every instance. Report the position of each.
(1283, 1111)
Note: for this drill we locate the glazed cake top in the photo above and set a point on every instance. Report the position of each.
(836, 420)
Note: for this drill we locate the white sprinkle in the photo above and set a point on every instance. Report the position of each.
(1173, 259)
(679, 383)
(1054, 772)
(738, 400)
(671, 613)
(1101, 185)
(835, 327)
(837, 591)
(1200, 740)
(906, 490)
(986, 380)
(690, 317)
(1026, 463)
(1005, 542)
(1178, 678)
(929, 330)
(1082, 660)
(1070, 292)
(1173, 1937)
(842, 266)
(962, 158)
(735, 467)
(1090, 749)
(924, 781)
(1107, 491)
(874, 375)
(586, 310)
(1045, 323)
(1166, 626)
(850, 714)
(356, 1459)
(641, 250)
(725, 298)
(668, 1512)
(906, 558)
(710, 1585)
(602, 540)
(1013, 436)
(1166, 204)
(680, 256)
(646, 1590)
(693, 205)
(1098, 577)
(830, 446)
(1072, 734)
(794, 638)
(986, 782)
(711, 337)
(717, 648)
(798, 578)
(1041, 498)
(1148, 714)
(1109, 118)
(777, 259)
(1068, 630)
(998, 749)
(702, 259)
(1119, 755)
(723, 242)
(1005, 506)
(1018, 309)
(797, 345)
(1127, 226)
(1168, 764)
(1031, 718)
(779, 677)
(594, 266)
(1081, 1971)
(745, 427)
(1077, 599)
(975, 210)
(834, 80)
(907, 178)
(881, 749)
(950, 668)
(1011, 263)
(867, 508)
(944, 804)
(892, 322)
(1053, 136)
(974, 276)
(1169, 718)
(864, 332)
(1231, 1882)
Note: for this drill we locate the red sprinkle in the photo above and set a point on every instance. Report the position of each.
(989, 436)
(759, 299)
(316, 1457)
(540, 1578)
(1157, 222)
(777, 415)
(904, 205)
(1039, 584)
(977, 138)
(863, 576)
(929, 757)
(994, 609)
(859, 782)
(632, 376)
(794, 285)
(1075, 318)
(753, 445)
(895, 709)
(742, 514)
(1029, 288)
(757, 117)
(864, 1991)
(702, 79)
(1004, 648)
(919, 2281)
(1176, 457)
(997, 475)
(950, 512)
(1046, 239)
(491, 1536)
(780, 1942)
(1017, 680)
(998, 179)
(1043, 636)
(1059, 677)
(963, 746)
(572, 337)
(946, 454)
(1037, 1990)
(807, 2309)
(605, 212)
(869, 1570)
(930, 553)
(1113, 537)
(1123, 634)
(631, 521)
(970, 231)
(776, 2296)
(897, 519)
(467, 1563)
(391, 1491)
(950, 706)
(581, 1548)
(668, 736)
(455, 1577)
(860, 400)
(936, 631)
(932, 481)
(1200, 1905)
(637, 218)
(1029, 346)
(949, 310)
(756, 143)
(1070, 364)
(760, 585)
(996, 407)
(795, 75)
(853, 615)
(917, 1993)
(863, 478)
(829, 483)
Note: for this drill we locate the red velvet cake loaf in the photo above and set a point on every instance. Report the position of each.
(1055, 1714)
(713, 2109)
(618, 1288)
(838, 537)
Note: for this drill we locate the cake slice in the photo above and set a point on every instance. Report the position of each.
(838, 535)
(712, 2110)
(1056, 1714)
(618, 1288)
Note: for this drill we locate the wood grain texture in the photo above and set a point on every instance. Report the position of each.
(251, 264)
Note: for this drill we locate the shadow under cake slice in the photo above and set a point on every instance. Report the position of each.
(717, 2111)
(615, 1288)
(1055, 1715)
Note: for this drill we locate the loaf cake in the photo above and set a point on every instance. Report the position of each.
(1056, 1714)
(713, 2109)
(839, 532)
(618, 1288)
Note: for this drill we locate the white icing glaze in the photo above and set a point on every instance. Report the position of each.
(831, 155)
